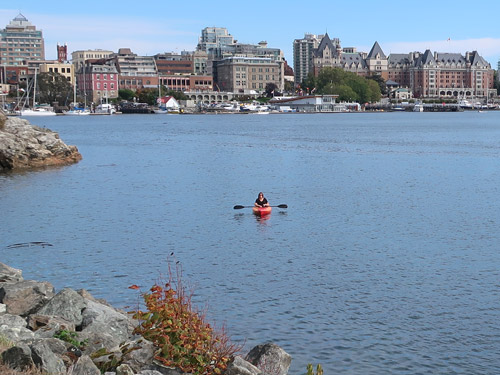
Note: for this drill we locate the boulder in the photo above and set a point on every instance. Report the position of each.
(45, 359)
(25, 297)
(45, 326)
(139, 354)
(270, 358)
(66, 304)
(23, 146)
(104, 326)
(18, 357)
(9, 274)
(239, 366)
(13, 328)
(84, 366)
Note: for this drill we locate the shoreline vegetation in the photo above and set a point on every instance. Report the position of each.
(71, 332)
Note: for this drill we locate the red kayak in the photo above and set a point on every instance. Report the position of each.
(262, 211)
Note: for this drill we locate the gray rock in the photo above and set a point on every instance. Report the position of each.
(67, 304)
(149, 372)
(104, 326)
(241, 367)
(270, 359)
(45, 326)
(18, 357)
(23, 145)
(124, 370)
(139, 355)
(9, 274)
(85, 366)
(13, 328)
(45, 359)
(3, 308)
(25, 297)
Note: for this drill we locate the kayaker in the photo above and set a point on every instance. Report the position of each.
(261, 201)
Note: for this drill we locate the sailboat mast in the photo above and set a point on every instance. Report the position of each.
(34, 89)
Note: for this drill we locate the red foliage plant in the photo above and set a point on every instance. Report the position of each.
(181, 335)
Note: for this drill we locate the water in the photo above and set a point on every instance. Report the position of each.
(385, 262)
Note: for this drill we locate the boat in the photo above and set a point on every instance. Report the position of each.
(418, 107)
(36, 110)
(105, 109)
(77, 112)
(262, 211)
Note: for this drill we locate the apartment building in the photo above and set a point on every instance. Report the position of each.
(214, 37)
(20, 41)
(303, 50)
(135, 72)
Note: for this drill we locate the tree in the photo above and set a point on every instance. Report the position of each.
(148, 96)
(380, 81)
(271, 89)
(126, 94)
(53, 87)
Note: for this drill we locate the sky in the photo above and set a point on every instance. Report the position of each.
(167, 26)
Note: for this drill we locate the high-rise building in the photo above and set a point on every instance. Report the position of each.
(303, 50)
(214, 37)
(20, 41)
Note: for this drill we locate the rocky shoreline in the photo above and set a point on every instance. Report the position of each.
(33, 316)
(25, 146)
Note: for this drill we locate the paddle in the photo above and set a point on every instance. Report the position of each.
(238, 207)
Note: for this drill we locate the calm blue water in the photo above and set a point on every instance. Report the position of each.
(387, 260)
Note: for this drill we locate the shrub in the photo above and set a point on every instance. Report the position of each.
(182, 337)
(70, 337)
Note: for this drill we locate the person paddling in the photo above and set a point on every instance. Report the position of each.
(261, 201)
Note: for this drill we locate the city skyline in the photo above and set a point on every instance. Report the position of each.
(157, 29)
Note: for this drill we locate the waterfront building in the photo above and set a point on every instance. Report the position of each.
(303, 50)
(135, 72)
(187, 82)
(20, 41)
(442, 75)
(78, 58)
(97, 81)
(243, 74)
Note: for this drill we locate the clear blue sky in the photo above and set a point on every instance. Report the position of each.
(165, 26)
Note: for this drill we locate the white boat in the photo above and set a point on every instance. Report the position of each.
(465, 104)
(77, 112)
(38, 111)
(105, 109)
(419, 107)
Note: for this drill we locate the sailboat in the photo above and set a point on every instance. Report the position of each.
(43, 110)
(76, 111)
